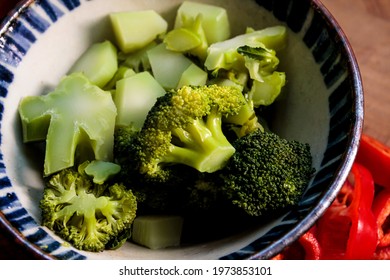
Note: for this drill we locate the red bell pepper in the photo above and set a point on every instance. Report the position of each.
(375, 156)
(381, 210)
(382, 253)
(348, 229)
(305, 248)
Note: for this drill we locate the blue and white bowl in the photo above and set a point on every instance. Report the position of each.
(40, 40)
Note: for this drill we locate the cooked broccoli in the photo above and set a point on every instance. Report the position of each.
(266, 173)
(91, 217)
(77, 120)
(249, 60)
(267, 83)
(224, 54)
(185, 127)
(190, 38)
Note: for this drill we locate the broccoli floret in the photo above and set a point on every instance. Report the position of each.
(91, 217)
(267, 173)
(77, 120)
(185, 127)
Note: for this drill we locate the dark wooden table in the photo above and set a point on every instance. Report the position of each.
(367, 25)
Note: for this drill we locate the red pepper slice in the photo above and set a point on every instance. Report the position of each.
(375, 156)
(348, 229)
(381, 210)
(382, 253)
(306, 247)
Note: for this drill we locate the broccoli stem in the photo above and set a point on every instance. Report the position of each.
(203, 145)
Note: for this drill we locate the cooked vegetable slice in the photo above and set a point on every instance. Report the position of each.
(134, 97)
(77, 116)
(157, 232)
(215, 19)
(193, 76)
(98, 63)
(167, 66)
(134, 30)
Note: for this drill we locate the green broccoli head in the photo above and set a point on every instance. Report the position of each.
(185, 127)
(91, 217)
(267, 173)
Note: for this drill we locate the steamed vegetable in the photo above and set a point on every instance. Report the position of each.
(98, 63)
(91, 217)
(161, 128)
(77, 120)
(126, 27)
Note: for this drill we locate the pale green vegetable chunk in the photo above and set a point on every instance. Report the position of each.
(121, 73)
(224, 54)
(182, 40)
(157, 232)
(76, 116)
(134, 97)
(265, 92)
(193, 76)
(215, 19)
(99, 170)
(98, 63)
(134, 30)
(138, 60)
(190, 38)
(167, 66)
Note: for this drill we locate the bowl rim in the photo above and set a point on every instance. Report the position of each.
(341, 173)
(350, 154)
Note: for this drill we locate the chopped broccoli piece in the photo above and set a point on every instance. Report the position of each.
(126, 25)
(91, 217)
(134, 96)
(215, 21)
(185, 127)
(267, 83)
(77, 120)
(157, 231)
(98, 63)
(100, 171)
(224, 54)
(190, 38)
(267, 173)
(137, 60)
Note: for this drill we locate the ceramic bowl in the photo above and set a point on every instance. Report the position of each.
(40, 40)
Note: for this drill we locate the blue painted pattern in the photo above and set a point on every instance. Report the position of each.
(38, 16)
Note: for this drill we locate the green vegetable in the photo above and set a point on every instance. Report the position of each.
(134, 96)
(90, 217)
(157, 231)
(190, 38)
(126, 27)
(167, 66)
(77, 120)
(167, 124)
(215, 21)
(224, 54)
(122, 73)
(98, 63)
(267, 82)
(185, 127)
(99, 171)
(192, 76)
(267, 173)
(137, 60)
